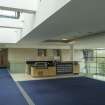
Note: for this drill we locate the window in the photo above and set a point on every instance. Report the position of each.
(42, 52)
(9, 14)
(88, 54)
(95, 61)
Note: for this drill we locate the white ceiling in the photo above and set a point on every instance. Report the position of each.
(77, 18)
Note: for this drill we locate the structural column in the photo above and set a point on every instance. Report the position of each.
(72, 54)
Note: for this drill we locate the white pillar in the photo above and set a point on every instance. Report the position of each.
(72, 54)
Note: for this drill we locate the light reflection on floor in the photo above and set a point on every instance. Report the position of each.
(99, 77)
(25, 77)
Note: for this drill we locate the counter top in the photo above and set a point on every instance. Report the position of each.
(33, 63)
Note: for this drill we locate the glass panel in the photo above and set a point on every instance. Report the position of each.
(95, 53)
(95, 64)
(100, 60)
(91, 67)
(101, 66)
(100, 53)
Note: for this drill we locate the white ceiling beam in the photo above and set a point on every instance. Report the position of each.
(11, 27)
(26, 6)
(18, 9)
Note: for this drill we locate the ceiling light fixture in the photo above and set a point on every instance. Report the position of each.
(64, 39)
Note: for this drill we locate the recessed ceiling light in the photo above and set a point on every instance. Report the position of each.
(64, 39)
(100, 48)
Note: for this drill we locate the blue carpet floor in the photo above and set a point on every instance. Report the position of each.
(9, 92)
(68, 91)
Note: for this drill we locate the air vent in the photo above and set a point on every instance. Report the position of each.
(56, 41)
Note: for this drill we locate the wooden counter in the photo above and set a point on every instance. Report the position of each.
(29, 64)
(51, 68)
(51, 71)
(76, 69)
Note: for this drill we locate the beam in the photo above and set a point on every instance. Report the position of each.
(18, 10)
(11, 27)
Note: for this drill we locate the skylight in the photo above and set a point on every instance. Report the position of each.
(8, 35)
(9, 14)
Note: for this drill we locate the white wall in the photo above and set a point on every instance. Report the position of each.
(77, 56)
(19, 55)
(28, 24)
(66, 55)
(16, 58)
(91, 42)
